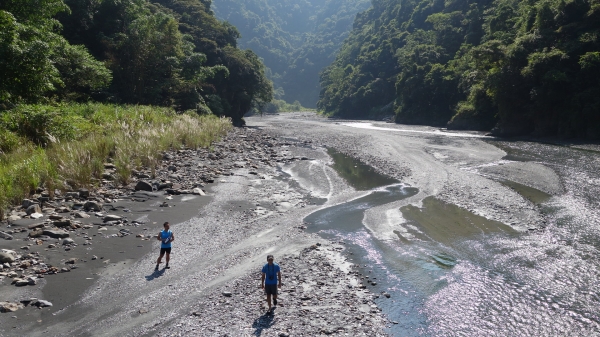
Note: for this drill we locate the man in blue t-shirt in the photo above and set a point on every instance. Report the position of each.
(271, 280)
(165, 237)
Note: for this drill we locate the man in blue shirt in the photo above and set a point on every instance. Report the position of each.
(165, 237)
(271, 274)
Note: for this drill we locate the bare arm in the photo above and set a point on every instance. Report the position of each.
(172, 237)
(158, 237)
(262, 281)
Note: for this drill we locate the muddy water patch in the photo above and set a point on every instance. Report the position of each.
(358, 174)
(532, 194)
(437, 221)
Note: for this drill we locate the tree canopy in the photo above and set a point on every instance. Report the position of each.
(517, 67)
(163, 52)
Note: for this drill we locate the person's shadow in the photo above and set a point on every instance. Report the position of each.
(156, 274)
(263, 322)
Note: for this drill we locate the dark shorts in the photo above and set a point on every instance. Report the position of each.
(271, 289)
(165, 250)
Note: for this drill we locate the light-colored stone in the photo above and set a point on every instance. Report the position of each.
(111, 217)
(68, 241)
(198, 191)
(13, 217)
(43, 304)
(6, 258)
(10, 307)
(36, 215)
(81, 215)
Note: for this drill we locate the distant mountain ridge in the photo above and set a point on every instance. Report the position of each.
(295, 38)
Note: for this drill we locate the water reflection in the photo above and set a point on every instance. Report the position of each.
(452, 273)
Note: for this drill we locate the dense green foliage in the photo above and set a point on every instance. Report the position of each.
(36, 62)
(520, 67)
(295, 38)
(162, 52)
(65, 146)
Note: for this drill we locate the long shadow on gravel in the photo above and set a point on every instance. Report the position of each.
(155, 275)
(263, 322)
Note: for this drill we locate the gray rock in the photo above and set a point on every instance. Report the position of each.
(42, 304)
(21, 282)
(84, 193)
(143, 186)
(6, 236)
(36, 233)
(57, 234)
(71, 260)
(36, 226)
(92, 206)
(68, 241)
(81, 215)
(62, 223)
(6, 258)
(72, 195)
(26, 203)
(227, 293)
(35, 208)
(111, 217)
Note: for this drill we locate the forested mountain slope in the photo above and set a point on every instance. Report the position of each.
(161, 52)
(295, 38)
(519, 67)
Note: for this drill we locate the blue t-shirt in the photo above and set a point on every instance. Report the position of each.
(271, 273)
(165, 236)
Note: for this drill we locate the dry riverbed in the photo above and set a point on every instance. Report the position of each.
(79, 263)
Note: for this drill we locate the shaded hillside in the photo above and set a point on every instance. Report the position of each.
(295, 38)
(520, 67)
(164, 52)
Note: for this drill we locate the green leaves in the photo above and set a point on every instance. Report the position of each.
(523, 66)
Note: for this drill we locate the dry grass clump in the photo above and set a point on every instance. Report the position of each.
(131, 137)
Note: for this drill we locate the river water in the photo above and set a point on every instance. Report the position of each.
(453, 273)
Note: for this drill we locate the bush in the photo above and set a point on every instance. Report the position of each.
(8, 141)
(81, 137)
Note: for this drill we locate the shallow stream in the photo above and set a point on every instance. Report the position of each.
(453, 273)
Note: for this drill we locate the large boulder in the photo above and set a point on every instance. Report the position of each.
(143, 186)
(6, 258)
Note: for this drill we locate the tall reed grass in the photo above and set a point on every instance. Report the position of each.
(66, 146)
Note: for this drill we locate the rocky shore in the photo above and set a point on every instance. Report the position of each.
(55, 233)
(322, 294)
